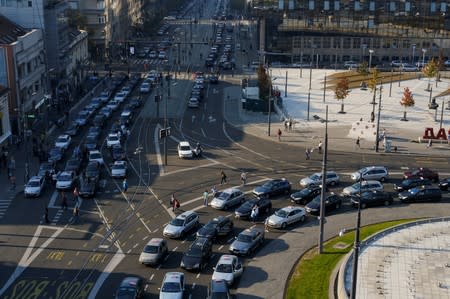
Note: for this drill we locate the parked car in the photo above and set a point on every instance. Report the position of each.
(193, 103)
(72, 129)
(379, 173)
(119, 169)
(120, 97)
(118, 153)
(244, 211)
(172, 286)
(130, 288)
(55, 154)
(34, 186)
(218, 289)
(105, 96)
(197, 255)
(273, 188)
(145, 87)
(135, 103)
(92, 171)
(332, 201)
(106, 111)
(426, 193)
(95, 155)
(411, 183)
(99, 120)
(154, 252)
(182, 224)
(372, 198)
(285, 216)
(248, 241)
(218, 226)
(73, 165)
(227, 198)
(91, 143)
(443, 184)
(63, 141)
(361, 187)
(112, 139)
(65, 180)
(422, 172)
(87, 188)
(316, 179)
(184, 150)
(306, 194)
(228, 268)
(47, 170)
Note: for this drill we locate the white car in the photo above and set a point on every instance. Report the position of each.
(193, 103)
(172, 286)
(162, 55)
(120, 97)
(316, 179)
(126, 90)
(63, 141)
(65, 180)
(113, 105)
(106, 111)
(227, 198)
(145, 87)
(95, 155)
(181, 224)
(112, 139)
(228, 268)
(34, 186)
(184, 150)
(365, 186)
(285, 216)
(409, 67)
(119, 169)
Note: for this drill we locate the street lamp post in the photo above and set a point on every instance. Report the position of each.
(364, 47)
(423, 56)
(413, 52)
(370, 58)
(324, 188)
(356, 244)
(269, 120)
(377, 137)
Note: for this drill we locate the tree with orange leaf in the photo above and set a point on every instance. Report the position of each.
(407, 101)
(341, 91)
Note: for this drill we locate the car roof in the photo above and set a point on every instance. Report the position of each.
(63, 136)
(155, 241)
(35, 178)
(68, 172)
(173, 276)
(184, 143)
(94, 152)
(291, 208)
(120, 163)
(219, 285)
(129, 281)
(231, 190)
(227, 259)
(185, 214)
(251, 231)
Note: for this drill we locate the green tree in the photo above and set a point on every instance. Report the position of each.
(341, 91)
(264, 83)
(430, 70)
(407, 101)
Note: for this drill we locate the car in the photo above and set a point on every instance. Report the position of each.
(46, 169)
(162, 55)
(125, 117)
(72, 129)
(213, 79)
(99, 120)
(115, 128)
(112, 139)
(105, 96)
(154, 252)
(91, 143)
(73, 165)
(120, 97)
(425, 193)
(443, 184)
(92, 172)
(130, 288)
(145, 87)
(247, 241)
(227, 198)
(396, 63)
(332, 201)
(272, 188)
(55, 154)
(218, 289)
(411, 183)
(106, 111)
(113, 105)
(34, 186)
(172, 286)
(316, 179)
(153, 54)
(96, 103)
(119, 169)
(184, 150)
(379, 173)
(94, 131)
(350, 64)
(244, 211)
(95, 155)
(361, 187)
(285, 216)
(306, 194)
(126, 90)
(228, 268)
(406, 67)
(422, 173)
(372, 198)
(87, 188)
(63, 141)
(118, 153)
(182, 224)
(218, 226)
(193, 103)
(65, 180)
(135, 103)
(82, 118)
(197, 255)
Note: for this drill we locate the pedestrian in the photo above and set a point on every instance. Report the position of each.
(205, 198)
(13, 181)
(46, 215)
(430, 143)
(64, 201)
(285, 125)
(279, 134)
(128, 133)
(213, 191)
(223, 177)
(175, 205)
(243, 178)
(125, 185)
(254, 213)
(75, 194)
(172, 200)
(320, 147)
(307, 154)
(358, 142)
(76, 215)
(290, 125)
(372, 117)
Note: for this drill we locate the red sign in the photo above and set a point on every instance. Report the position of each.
(441, 135)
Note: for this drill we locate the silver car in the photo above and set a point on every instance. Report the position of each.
(180, 225)
(34, 186)
(227, 198)
(316, 179)
(285, 216)
(379, 173)
(228, 268)
(247, 241)
(365, 186)
(154, 252)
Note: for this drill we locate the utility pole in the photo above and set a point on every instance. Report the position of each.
(165, 116)
(356, 244)
(324, 186)
(324, 87)
(378, 119)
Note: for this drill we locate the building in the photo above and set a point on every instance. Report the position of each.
(333, 31)
(5, 127)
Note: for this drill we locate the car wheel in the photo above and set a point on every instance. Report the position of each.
(338, 205)
(302, 219)
(283, 225)
(387, 202)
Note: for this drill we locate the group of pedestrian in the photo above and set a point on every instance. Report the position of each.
(288, 125)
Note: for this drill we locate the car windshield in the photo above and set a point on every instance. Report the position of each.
(211, 224)
(177, 222)
(316, 200)
(91, 167)
(315, 177)
(413, 191)
(113, 138)
(125, 293)
(269, 185)
(171, 287)
(224, 268)
(223, 196)
(194, 252)
(244, 238)
(281, 213)
(64, 177)
(356, 186)
(55, 151)
(151, 249)
(185, 148)
(96, 156)
(305, 191)
(33, 184)
(115, 166)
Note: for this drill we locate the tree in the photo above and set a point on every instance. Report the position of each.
(363, 68)
(430, 70)
(341, 92)
(407, 101)
(264, 83)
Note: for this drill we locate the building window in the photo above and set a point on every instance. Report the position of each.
(347, 42)
(356, 43)
(100, 5)
(326, 5)
(376, 43)
(336, 5)
(30, 3)
(406, 44)
(28, 67)
(101, 19)
(443, 7)
(357, 6)
(36, 86)
(326, 43)
(337, 42)
(407, 6)
(392, 6)
(433, 7)
(311, 5)
(372, 6)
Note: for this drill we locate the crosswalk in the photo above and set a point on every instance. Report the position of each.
(4, 204)
(154, 61)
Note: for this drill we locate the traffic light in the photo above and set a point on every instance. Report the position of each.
(163, 133)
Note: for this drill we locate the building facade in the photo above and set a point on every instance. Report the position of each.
(5, 127)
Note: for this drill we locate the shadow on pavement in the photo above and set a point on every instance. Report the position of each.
(251, 276)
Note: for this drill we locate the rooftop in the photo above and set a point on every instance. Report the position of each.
(9, 31)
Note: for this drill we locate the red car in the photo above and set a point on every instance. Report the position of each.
(422, 173)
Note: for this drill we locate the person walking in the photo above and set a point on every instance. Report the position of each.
(175, 205)
(430, 143)
(254, 213)
(12, 178)
(358, 142)
(286, 125)
(75, 194)
(76, 215)
(243, 178)
(279, 134)
(223, 177)
(205, 198)
(290, 125)
(213, 191)
(125, 185)
(64, 201)
(307, 154)
(46, 216)
(172, 200)
(320, 147)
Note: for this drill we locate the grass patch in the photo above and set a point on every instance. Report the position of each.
(312, 273)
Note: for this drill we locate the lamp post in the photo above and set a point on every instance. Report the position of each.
(270, 106)
(378, 119)
(370, 58)
(324, 188)
(364, 47)
(413, 52)
(423, 56)
(356, 244)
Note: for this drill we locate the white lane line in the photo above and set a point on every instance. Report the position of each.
(220, 247)
(151, 277)
(144, 238)
(135, 245)
(198, 275)
(146, 287)
(184, 241)
(104, 246)
(156, 230)
(229, 240)
(203, 132)
(193, 285)
(175, 249)
(129, 250)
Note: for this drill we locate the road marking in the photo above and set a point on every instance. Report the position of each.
(193, 285)
(129, 250)
(104, 246)
(144, 238)
(131, 236)
(184, 241)
(203, 132)
(55, 255)
(156, 230)
(135, 245)
(151, 277)
(175, 249)
(198, 275)
(229, 240)
(69, 263)
(220, 247)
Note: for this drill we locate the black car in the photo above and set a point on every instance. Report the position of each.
(118, 153)
(332, 201)
(47, 169)
(426, 193)
(372, 198)
(130, 288)
(219, 226)
(411, 183)
(114, 128)
(244, 211)
(273, 188)
(198, 254)
(135, 103)
(94, 132)
(306, 194)
(72, 130)
(99, 120)
(73, 165)
(218, 289)
(91, 143)
(87, 188)
(92, 171)
(443, 184)
(55, 155)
